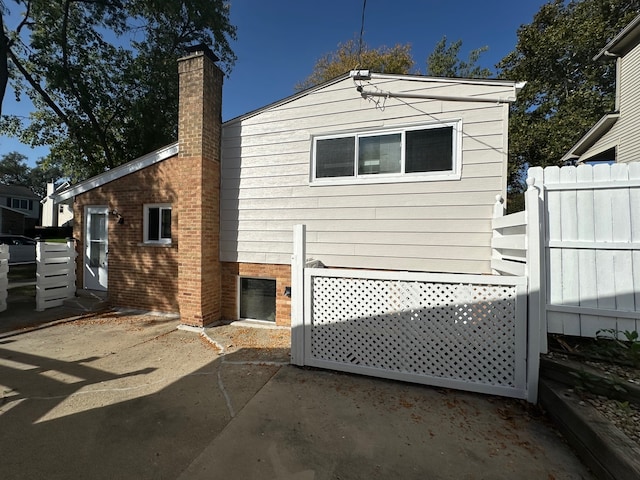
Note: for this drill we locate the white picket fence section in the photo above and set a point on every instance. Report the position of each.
(517, 250)
(4, 281)
(468, 332)
(55, 273)
(592, 247)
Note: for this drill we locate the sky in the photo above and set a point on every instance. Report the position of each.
(279, 41)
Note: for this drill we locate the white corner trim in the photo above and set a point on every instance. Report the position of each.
(118, 172)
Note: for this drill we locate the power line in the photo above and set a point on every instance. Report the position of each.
(364, 6)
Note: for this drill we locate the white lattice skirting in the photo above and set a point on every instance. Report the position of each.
(445, 333)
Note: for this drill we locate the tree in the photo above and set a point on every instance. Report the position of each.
(43, 173)
(13, 169)
(445, 62)
(566, 91)
(102, 73)
(350, 56)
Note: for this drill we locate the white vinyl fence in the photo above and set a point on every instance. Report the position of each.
(4, 281)
(467, 332)
(55, 273)
(591, 238)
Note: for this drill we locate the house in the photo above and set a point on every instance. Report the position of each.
(56, 215)
(19, 199)
(393, 172)
(615, 136)
(11, 221)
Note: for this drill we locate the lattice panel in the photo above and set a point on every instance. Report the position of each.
(451, 331)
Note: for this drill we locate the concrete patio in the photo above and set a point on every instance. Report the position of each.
(131, 396)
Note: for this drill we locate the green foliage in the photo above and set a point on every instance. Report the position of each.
(588, 382)
(628, 349)
(15, 171)
(566, 90)
(103, 76)
(350, 56)
(445, 62)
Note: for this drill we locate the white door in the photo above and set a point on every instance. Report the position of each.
(96, 248)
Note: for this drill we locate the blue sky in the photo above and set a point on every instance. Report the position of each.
(279, 42)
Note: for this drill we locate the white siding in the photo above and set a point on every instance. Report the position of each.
(629, 122)
(442, 226)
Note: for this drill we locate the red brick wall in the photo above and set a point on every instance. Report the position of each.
(199, 134)
(140, 276)
(232, 271)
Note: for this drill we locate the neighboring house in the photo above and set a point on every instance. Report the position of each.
(56, 215)
(387, 171)
(11, 221)
(23, 200)
(615, 136)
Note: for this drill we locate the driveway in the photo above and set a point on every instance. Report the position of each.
(132, 397)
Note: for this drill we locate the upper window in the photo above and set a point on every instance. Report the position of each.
(157, 223)
(430, 151)
(21, 204)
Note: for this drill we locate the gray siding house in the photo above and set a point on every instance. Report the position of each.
(23, 200)
(615, 136)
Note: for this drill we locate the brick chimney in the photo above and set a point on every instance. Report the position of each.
(199, 133)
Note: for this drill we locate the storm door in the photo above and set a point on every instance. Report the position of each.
(96, 248)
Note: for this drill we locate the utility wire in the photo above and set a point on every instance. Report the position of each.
(364, 6)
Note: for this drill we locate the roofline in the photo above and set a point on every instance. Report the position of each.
(288, 99)
(596, 132)
(30, 193)
(13, 210)
(118, 172)
(423, 78)
(383, 76)
(619, 45)
(63, 186)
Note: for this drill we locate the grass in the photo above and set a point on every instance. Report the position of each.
(22, 273)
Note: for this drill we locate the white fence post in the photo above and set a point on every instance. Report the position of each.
(4, 280)
(498, 211)
(537, 331)
(298, 260)
(55, 273)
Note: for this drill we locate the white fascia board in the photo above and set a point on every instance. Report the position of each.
(622, 42)
(118, 172)
(465, 81)
(601, 127)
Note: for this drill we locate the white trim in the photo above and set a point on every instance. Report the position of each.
(517, 86)
(594, 134)
(357, 178)
(593, 245)
(622, 41)
(455, 278)
(600, 312)
(118, 172)
(613, 184)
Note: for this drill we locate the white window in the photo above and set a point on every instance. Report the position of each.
(427, 152)
(157, 223)
(21, 204)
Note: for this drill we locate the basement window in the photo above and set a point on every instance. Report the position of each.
(258, 299)
(157, 223)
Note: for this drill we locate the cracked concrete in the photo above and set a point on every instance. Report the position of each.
(132, 397)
